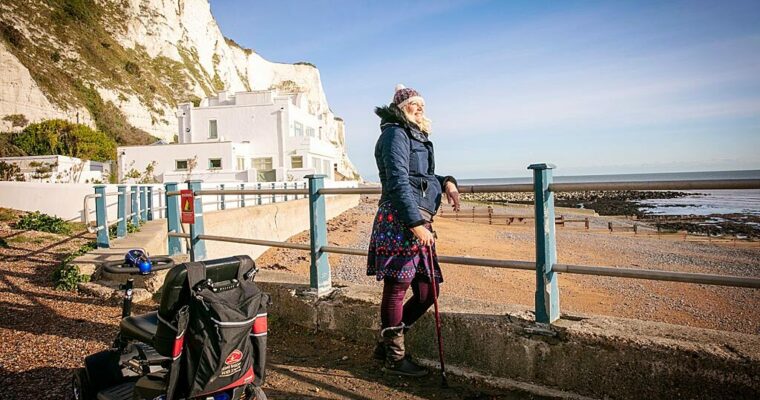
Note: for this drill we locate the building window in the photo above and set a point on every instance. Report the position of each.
(309, 131)
(264, 171)
(214, 163)
(180, 165)
(297, 128)
(262, 164)
(240, 163)
(296, 162)
(212, 132)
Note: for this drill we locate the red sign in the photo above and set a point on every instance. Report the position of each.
(187, 206)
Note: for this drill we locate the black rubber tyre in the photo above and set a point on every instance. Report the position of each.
(80, 386)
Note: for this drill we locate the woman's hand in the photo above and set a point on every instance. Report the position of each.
(423, 235)
(452, 195)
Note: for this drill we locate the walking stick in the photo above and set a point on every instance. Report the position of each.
(444, 382)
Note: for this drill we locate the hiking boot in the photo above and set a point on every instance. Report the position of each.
(405, 367)
(395, 361)
(379, 352)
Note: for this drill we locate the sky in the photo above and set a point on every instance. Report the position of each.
(592, 87)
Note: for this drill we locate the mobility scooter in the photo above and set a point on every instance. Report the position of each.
(207, 340)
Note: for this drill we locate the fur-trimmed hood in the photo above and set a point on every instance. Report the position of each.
(392, 115)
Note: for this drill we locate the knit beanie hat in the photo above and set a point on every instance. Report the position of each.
(405, 95)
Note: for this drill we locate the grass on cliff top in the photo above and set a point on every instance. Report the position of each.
(69, 45)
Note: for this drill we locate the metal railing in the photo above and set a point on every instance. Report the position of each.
(545, 265)
(139, 200)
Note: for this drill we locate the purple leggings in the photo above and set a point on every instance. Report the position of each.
(392, 313)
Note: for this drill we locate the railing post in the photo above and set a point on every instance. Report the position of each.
(134, 209)
(258, 187)
(285, 185)
(319, 274)
(161, 205)
(150, 203)
(172, 218)
(274, 196)
(547, 290)
(121, 226)
(221, 197)
(143, 204)
(101, 217)
(242, 196)
(197, 246)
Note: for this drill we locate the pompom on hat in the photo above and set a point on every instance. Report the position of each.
(405, 95)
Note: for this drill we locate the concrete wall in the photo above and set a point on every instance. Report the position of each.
(277, 221)
(594, 356)
(62, 200)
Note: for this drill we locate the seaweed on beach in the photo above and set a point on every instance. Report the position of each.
(613, 202)
(739, 225)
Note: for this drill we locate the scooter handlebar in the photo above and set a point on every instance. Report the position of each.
(159, 263)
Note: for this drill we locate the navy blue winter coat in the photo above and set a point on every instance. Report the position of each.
(406, 164)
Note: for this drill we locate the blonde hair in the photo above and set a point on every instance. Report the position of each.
(424, 125)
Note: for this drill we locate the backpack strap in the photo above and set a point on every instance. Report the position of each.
(196, 273)
(180, 321)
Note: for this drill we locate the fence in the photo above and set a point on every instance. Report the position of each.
(487, 214)
(545, 265)
(139, 203)
(508, 219)
(135, 205)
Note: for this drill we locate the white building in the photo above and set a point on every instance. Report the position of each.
(60, 169)
(259, 136)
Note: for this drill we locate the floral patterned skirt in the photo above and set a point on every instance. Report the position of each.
(396, 253)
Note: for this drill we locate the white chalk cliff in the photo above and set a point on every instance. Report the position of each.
(183, 31)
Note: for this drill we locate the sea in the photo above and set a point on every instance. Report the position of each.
(699, 202)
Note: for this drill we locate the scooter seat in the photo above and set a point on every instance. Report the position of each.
(140, 327)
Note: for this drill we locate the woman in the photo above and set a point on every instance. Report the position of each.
(402, 245)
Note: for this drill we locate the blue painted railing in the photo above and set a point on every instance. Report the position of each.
(143, 202)
(545, 266)
(141, 205)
